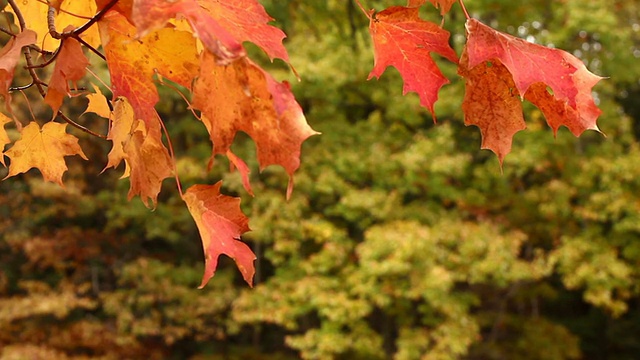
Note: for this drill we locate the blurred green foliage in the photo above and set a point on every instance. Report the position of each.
(402, 239)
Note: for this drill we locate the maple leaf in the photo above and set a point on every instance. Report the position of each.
(514, 67)
(4, 137)
(147, 160)
(222, 26)
(220, 223)
(560, 113)
(70, 66)
(443, 5)
(148, 163)
(120, 130)
(43, 149)
(243, 97)
(528, 63)
(75, 14)
(403, 40)
(9, 56)
(97, 103)
(132, 64)
(492, 104)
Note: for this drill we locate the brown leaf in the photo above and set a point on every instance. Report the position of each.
(492, 103)
(43, 149)
(221, 223)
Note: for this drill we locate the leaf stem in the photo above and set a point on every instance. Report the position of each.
(464, 9)
(173, 156)
(366, 13)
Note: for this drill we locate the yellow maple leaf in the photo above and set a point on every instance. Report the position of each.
(74, 13)
(97, 103)
(4, 137)
(43, 149)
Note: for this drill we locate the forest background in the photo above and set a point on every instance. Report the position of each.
(401, 239)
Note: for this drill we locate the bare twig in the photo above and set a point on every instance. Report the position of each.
(464, 9)
(94, 50)
(36, 80)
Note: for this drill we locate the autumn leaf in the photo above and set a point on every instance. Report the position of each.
(498, 67)
(147, 161)
(222, 26)
(71, 66)
(75, 14)
(133, 63)
(443, 5)
(120, 130)
(403, 40)
(528, 63)
(492, 103)
(9, 56)
(97, 103)
(43, 149)
(560, 113)
(4, 137)
(243, 97)
(220, 223)
(150, 15)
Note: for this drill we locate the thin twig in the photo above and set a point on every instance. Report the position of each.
(36, 80)
(173, 156)
(86, 44)
(48, 62)
(7, 31)
(78, 126)
(367, 13)
(20, 88)
(95, 18)
(162, 82)
(464, 9)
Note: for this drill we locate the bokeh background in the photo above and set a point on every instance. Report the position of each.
(402, 238)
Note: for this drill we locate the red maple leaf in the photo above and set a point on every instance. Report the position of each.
(500, 69)
(403, 40)
(221, 223)
(221, 25)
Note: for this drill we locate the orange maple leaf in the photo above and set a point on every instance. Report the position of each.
(43, 149)
(71, 66)
(133, 62)
(147, 161)
(514, 67)
(492, 104)
(243, 97)
(221, 223)
(9, 56)
(403, 40)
